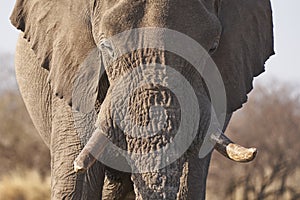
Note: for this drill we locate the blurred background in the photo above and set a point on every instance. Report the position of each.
(270, 121)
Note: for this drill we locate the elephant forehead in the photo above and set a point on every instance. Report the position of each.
(193, 18)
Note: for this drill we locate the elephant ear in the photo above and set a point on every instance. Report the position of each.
(246, 43)
(59, 33)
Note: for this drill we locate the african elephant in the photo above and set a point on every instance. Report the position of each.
(56, 40)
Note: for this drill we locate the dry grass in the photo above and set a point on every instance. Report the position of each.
(27, 185)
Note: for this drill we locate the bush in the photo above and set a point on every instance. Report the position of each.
(20, 144)
(270, 122)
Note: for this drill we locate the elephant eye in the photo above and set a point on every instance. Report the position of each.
(214, 47)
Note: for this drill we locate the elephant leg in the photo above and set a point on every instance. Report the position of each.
(54, 122)
(33, 86)
(197, 171)
(66, 143)
(117, 185)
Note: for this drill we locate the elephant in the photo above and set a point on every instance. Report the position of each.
(64, 50)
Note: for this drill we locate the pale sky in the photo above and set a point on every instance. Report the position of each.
(284, 66)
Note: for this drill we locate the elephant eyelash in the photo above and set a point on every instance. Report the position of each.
(217, 6)
(214, 47)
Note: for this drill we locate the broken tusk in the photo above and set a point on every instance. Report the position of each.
(231, 150)
(91, 152)
(84, 161)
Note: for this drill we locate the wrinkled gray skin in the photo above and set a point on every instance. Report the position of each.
(58, 36)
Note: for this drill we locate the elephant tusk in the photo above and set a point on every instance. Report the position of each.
(98, 142)
(84, 161)
(91, 151)
(231, 150)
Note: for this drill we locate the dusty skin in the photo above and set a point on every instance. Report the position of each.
(58, 36)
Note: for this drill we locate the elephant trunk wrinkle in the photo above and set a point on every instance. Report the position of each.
(147, 57)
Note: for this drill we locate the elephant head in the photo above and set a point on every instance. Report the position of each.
(72, 40)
